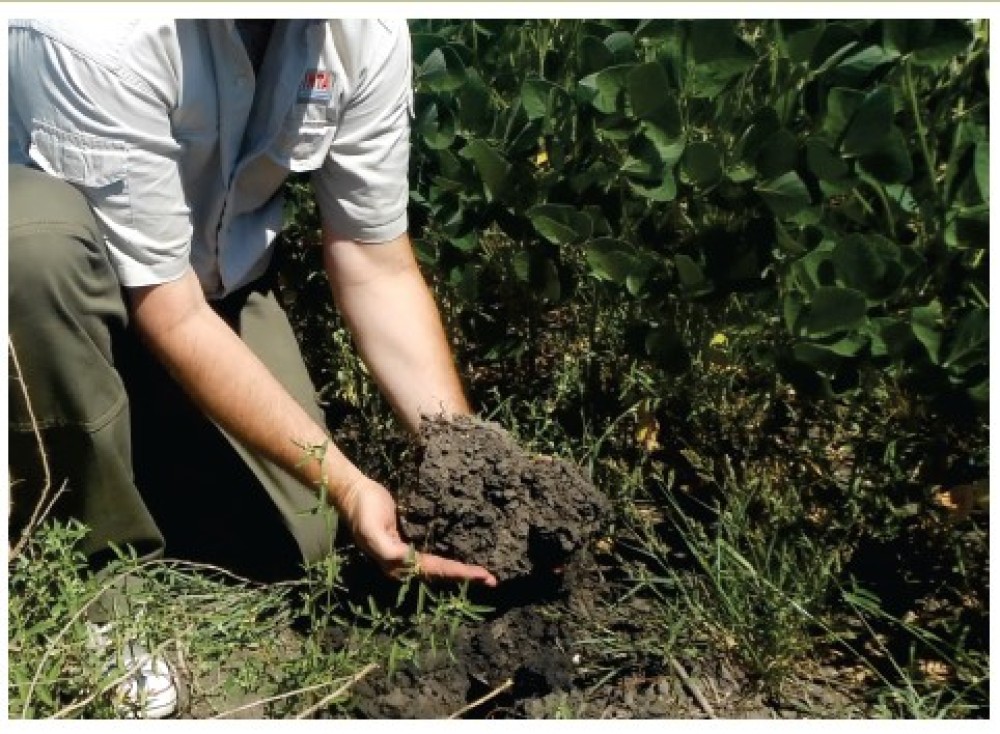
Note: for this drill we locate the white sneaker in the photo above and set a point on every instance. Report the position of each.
(148, 689)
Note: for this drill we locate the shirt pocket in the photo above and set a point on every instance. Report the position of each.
(303, 143)
(98, 166)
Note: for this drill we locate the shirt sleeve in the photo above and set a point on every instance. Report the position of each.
(83, 116)
(362, 189)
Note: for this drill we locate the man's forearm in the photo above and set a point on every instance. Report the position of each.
(394, 319)
(232, 386)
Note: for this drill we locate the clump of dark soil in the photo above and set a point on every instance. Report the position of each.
(521, 653)
(482, 499)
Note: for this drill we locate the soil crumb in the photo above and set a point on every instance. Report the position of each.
(481, 498)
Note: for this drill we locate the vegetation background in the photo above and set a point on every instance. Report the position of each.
(738, 271)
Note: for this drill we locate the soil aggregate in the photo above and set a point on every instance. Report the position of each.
(482, 499)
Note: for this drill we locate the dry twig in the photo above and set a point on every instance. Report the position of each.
(489, 696)
(45, 502)
(339, 692)
(692, 687)
(272, 699)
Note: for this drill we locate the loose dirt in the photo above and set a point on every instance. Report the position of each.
(548, 647)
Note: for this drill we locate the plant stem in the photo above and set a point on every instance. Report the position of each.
(921, 130)
(889, 221)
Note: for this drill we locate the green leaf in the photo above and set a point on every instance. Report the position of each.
(890, 163)
(652, 99)
(537, 270)
(836, 41)
(474, 104)
(560, 224)
(970, 343)
(643, 165)
(656, 29)
(858, 68)
(703, 164)
(436, 126)
(789, 245)
(669, 148)
(539, 98)
(493, 168)
(597, 174)
(425, 251)
(792, 307)
(926, 324)
(850, 345)
(799, 44)
(441, 71)
(593, 54)
(719, 55)
(423, 43)
(904, 36)
(465, 280)
(466, 243)
(777, 155)
(821, 358)
(824, 163)
(868, 263)
(645, 160)
(763, 124)
(841, 105)
(604, 89)
(786, 195)
(522, 266)
(834, 309)
(635, 283)
(548, 284)
(890, 337)
(665, 190)
(621, 44)
(949, 39)
(981, 167)
(870, 126)
(969, 227)
(716, 42)
(981, 392)
(611, 259)
(865, 600)
(690, 275)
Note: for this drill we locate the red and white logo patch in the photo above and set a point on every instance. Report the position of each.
(316, 86)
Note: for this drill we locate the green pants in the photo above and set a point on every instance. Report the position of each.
(141, 466)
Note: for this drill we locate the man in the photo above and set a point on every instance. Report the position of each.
(146, 159)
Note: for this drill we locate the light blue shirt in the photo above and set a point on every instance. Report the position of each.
(181, 151)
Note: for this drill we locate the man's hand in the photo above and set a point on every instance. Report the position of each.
(371, 516)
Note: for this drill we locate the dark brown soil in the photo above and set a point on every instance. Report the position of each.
(549, 651)
(482, 499)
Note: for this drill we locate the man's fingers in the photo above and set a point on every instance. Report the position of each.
(444, 569)
(401, 560)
